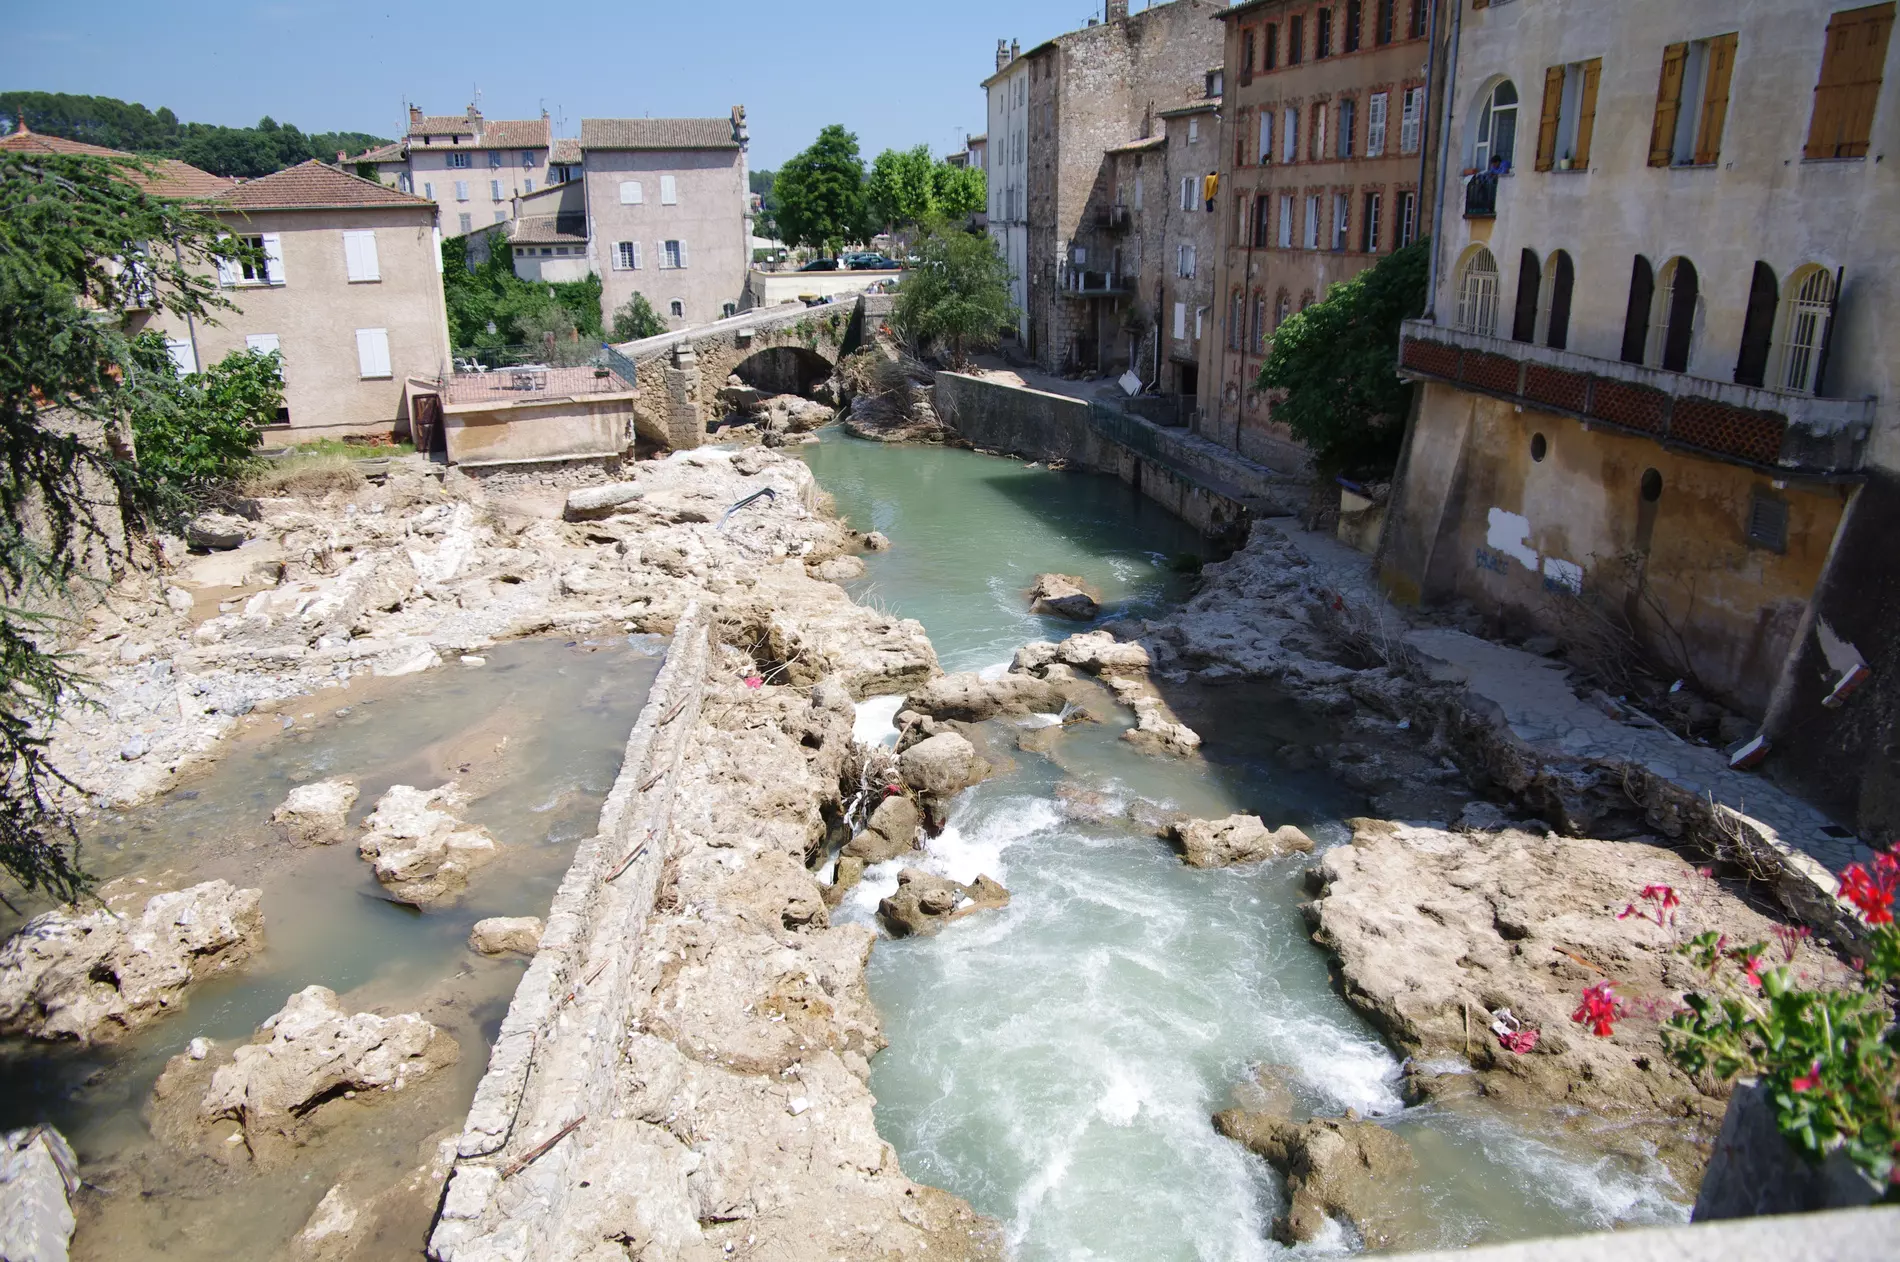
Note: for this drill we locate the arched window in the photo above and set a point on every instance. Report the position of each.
(1497, 127)
(1636, 315)
(1478, 293)
(1524, 315)
(1282, 308)
(1237, 322)
(1307, 299)
(1807, 309)
(1560, 281)
(1672, 317)
(1260, 330)
(1758, 327)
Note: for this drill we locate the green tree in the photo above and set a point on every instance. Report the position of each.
(635, 319)
(71, 380)
(959, 192)
(901, 188)
(1337, 361)
(820, 193)
(199, 430)
(956, 299)
(491, 308)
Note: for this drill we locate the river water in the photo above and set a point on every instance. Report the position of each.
(1056, 1063)
(534, 737)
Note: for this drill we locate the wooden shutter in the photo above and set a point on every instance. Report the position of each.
(669, 191)
(1587, 114)
(359, 255)
(1849, 85)
(265, 342)
(1708, 136)
(184, 355)
(227, 268)
(1524, 319)
(1662, 135)
(1551, 117)
(636, 256)
(372, 352)
(1180, 321)
(273, 258)
(1679, 333)
(1375, 125)
(1758, 328)
(683, 259)
(1563, 282)
(1833, 312)
(1636, 315)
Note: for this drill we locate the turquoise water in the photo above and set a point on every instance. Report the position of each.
(1056, 1063)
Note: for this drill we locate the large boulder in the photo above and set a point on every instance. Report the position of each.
(1333, 1169)
(943, 765)
(969, 698)
(925, 902)
(38, 1176)
(590, 503)
(504, 935)
(93, 976)
(316, 814)
(1220, 843)
(1063, 596)
(890, 832)
(838, 569)
(217, 532)
(1100, 653)
(422, 853)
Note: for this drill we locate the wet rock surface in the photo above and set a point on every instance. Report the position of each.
(421, 852)
(93, 976)
(1334, 1168)
(925, 902)
(967, 697)
(506, 935)
(1221, 843)
(316, 814)
(891, 831)
(1062, 596)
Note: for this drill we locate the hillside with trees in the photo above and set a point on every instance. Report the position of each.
(241, 151)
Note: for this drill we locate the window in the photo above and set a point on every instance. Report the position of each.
(1758, 326)
(1411, 113)
(501, 216)
(1323, 34)
(1375, 124)
(1692, 102)
(1246, 55)
(494, 190)
(1180, 322)
(1184, 261)
(468, 223)
(1282, 308)
(728, 311)
(1295, 39)
(631, 194)
(1200, 319)
(1807, 320)
(527, 159)
(1355, 23)
(1260, 331)
(184, 355)
(1290, 136)
(1561, 281)
(1497, 128)
(494, 160)
(1342, 219)
(250, 271)
(1529, 281)
(1270, 38)
(1672, 321)
(1262, 221)
(1187, 192)
(404, 183)
(527, 185)
(1569, 119)
(669, 191)
(428, 191)
(1348, 125)
(359, 255)
(1407, 217)
(1318, 136)
(678, 308)
(372, 353)
(264, 343)
(458, 162)
(673, 255)
(1286, 221)
(1478, 293)
(1266, 137)
(1416, 30)
(1768, 522)
(1636, 314)
(1386, 23)
(461, 190)
(1237, 321)
(1372, 225)
(1849, 86)
(1312, 222)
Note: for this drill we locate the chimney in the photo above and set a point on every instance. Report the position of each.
(1015, 49)
(415, 117)
(341, 157)
(1002, 53)
(1117, 10)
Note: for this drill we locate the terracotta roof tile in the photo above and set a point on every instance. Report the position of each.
(312, 184)
(549, 230)
(657, 133)
(486, 133)
(169, 178)
(391, 152)
(565, 149)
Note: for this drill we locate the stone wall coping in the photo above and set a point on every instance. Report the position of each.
(1824, 1237)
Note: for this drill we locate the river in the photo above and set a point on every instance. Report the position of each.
(1056, 1063)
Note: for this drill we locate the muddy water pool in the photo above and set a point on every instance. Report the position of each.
(1056, 1063)
(534, 737)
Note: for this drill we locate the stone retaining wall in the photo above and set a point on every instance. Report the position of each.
(554, 1060)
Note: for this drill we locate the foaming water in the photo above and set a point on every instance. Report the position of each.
(1056, 1062)
(875, 723)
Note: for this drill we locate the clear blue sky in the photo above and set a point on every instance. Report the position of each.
(897, 74)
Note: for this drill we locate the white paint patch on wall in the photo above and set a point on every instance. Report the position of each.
(1566, 575)
(1510, 534)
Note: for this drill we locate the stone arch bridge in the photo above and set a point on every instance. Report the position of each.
(786, 349)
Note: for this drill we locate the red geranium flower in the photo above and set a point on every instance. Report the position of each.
(1808, 1081)
(1872, 892)
(1752, 968)
(1599, 1009)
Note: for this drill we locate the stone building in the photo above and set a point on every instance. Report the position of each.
(1658, 374)
(1071, 100)
(1325, 136)
(471, 167)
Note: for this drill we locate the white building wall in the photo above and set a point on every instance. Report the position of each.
(1008, 158)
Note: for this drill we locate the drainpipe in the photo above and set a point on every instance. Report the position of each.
(1444, 141)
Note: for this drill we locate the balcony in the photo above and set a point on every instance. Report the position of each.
(1768, 430)
(1112, 219)
(1481, 196)
(1083, 284)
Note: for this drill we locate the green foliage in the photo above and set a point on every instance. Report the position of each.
(243, 151)
(635, 319)
(201, 429)
(1338, 363)
(491, 308)
(957, 297)
(819, 194)
(959, 191)
(760, 182)
(71, 379)
(899, 191)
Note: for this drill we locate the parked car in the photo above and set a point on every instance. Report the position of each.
(820, 265)
(870, 263)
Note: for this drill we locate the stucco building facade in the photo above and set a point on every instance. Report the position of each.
(1657, 378)
(1008, 105)
(471, 167)
(1324, 140)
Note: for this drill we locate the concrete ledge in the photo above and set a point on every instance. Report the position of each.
(1835, 1236)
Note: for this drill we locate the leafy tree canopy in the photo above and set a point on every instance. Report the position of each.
(635, 319)
(956, 299)
(959, 191)
(1337, 361)
(242, 151)
(199, 430)
(906, 187)
(491, 308)
(820, 193)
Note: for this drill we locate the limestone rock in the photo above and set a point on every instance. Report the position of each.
(406, 657)
(38, 1176)
(1100, 653)
(877, 541)
(422, 853)
(311, 1051)
(890, 832)
(591, 503)
(316, 814)
(1157, 731)
(1062, 596)
(969, 698)
(217, 532)
(925, 902)
(501, 935)
(1221, 843)
(93, 976)
(838, 569)
(943, 765)
(1333, 1168)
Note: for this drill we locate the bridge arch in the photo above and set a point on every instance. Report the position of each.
(784, 369)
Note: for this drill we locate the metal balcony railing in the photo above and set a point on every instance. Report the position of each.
(1481, 196)
(1094, 284)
